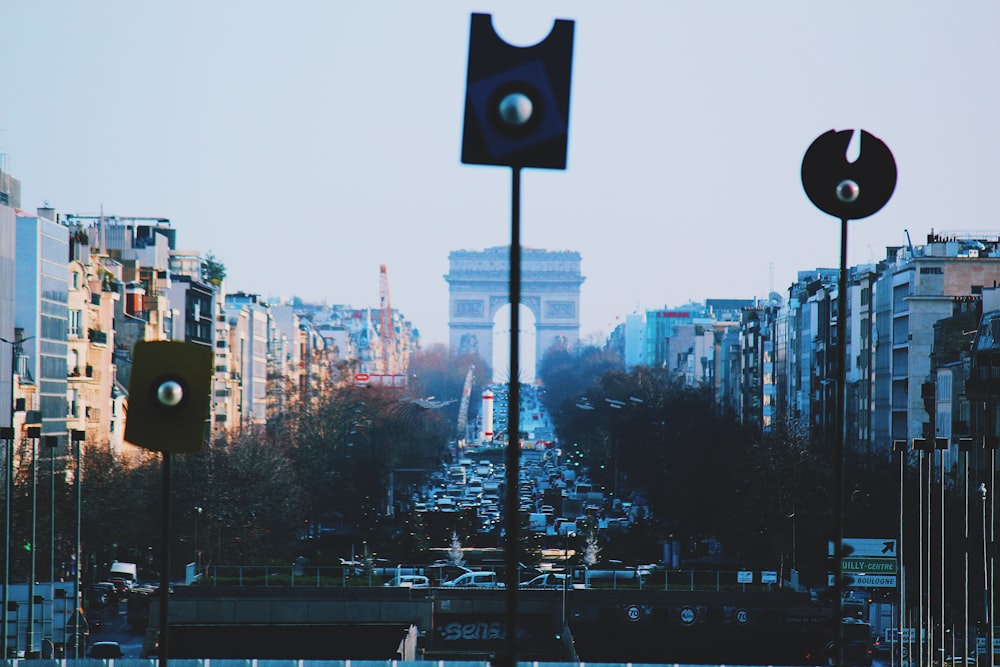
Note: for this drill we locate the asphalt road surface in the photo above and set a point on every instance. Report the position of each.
(114, 627)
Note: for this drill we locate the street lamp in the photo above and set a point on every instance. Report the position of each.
(986, 575)
(565, 585)
(7, 435)
(964, 446)
(34, 432)
(77, 437)
(52, 442)
(197, 551)
(792, 517)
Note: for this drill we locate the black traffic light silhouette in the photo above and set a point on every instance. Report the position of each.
(517, 98)
(848, 190)
(169, 395)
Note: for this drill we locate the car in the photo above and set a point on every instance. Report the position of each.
(410, 581)
(121, 586)
(105, 650)
(477, 579)
(102, 594)
(546, 580)
(443, 570)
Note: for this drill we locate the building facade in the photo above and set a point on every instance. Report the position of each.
(41, 312)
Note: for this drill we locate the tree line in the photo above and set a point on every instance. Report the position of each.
(315, 481)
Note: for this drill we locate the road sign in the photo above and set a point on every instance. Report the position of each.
(868, 580)
(744, 577)
(867, 548)
(869, 565)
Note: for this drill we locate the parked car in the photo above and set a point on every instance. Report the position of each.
(410, 581)
(443, 571)
(546, 580)
(479, 579)
(105, 650)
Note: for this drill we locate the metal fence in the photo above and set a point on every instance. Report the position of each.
(344, 576)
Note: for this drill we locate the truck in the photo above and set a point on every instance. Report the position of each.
(127, 571)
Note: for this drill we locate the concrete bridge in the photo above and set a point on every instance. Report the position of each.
(388, 623)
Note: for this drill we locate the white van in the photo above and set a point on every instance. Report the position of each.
(478, 579)
(410, 581)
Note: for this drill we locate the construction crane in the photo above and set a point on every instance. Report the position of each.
(463, 408)
(387, 337)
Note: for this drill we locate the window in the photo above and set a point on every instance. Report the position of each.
(75, 317)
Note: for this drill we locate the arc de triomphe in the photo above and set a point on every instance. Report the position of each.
(479, 285)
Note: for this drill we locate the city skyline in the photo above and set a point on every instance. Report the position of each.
(306, 146)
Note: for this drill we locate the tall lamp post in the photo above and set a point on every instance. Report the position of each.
(52, 442)
(964, 446)
(986, 574)
(899, 447)
(77, 438)
(34, 433)
(7, 435)
(566, 578)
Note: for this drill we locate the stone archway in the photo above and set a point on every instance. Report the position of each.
(478, 286)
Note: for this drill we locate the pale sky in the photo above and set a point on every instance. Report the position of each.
(305, 143)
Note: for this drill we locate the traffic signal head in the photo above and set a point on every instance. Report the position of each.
(169, 395)
(517, 98)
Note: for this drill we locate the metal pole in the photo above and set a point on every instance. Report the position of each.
(992, 495)
(986, 577)
(929, 544)
(964, 446)
(900, 448)
(77, 437)
(30, 644)
(921, 561)
(7, 434)
(513, 451)
(941, 566)
(164, 563)
(839, 447)
(52, 534)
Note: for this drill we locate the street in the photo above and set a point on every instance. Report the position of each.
(114, 627)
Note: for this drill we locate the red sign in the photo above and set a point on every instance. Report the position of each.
(361, 377)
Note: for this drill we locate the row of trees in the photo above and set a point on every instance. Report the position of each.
(318, 472)
(338, 472)
(727, 492)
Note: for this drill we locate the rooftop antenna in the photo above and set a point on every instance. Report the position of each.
(100, 232)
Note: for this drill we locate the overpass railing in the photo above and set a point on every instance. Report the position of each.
(346, 576)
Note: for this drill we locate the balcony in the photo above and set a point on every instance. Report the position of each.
(88, 373)
(97, 337)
